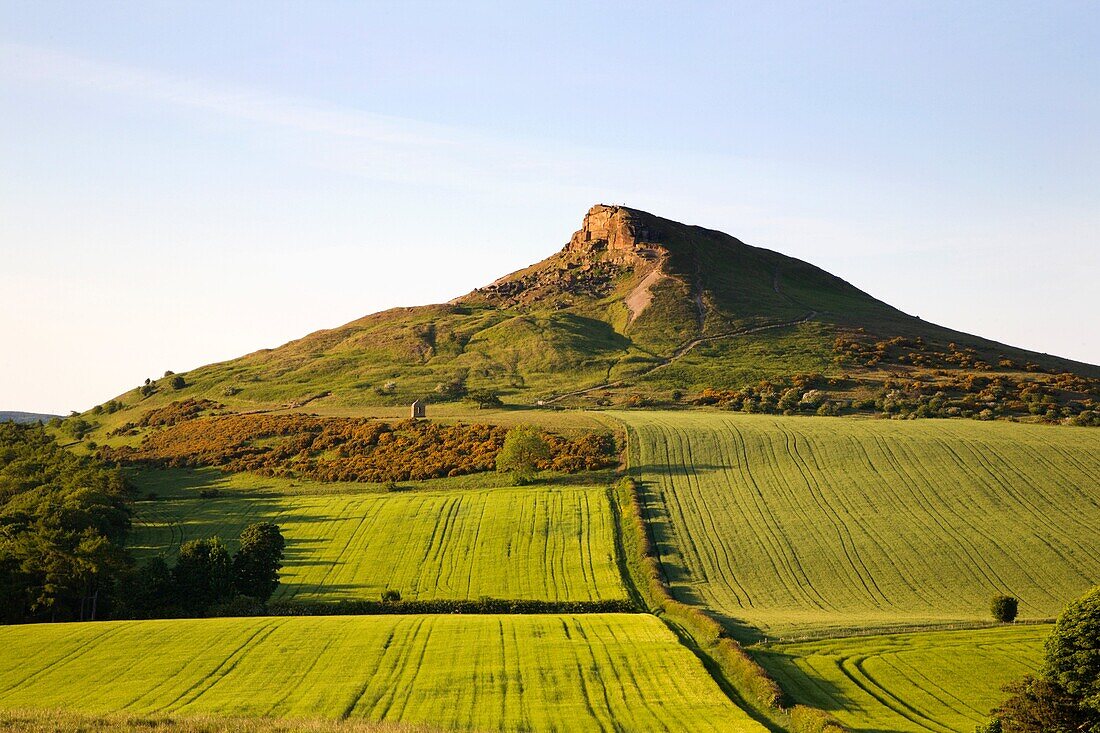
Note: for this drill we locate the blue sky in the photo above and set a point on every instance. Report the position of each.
(186, 182)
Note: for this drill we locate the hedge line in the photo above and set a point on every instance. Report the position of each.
(742, 672)
(481, 605)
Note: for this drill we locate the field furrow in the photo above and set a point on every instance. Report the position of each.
(552, 543)
(930, 682)
(817, 526)
(598, 672)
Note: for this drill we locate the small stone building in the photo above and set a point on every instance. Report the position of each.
(417, 410)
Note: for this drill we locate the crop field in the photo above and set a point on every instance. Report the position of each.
(939, 681)
(547, 543)
(822, 525)
(535, 673)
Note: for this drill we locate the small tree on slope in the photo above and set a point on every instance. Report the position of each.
(256, 565)
(523, 450)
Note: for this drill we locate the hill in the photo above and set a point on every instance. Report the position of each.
(637, 308)
(25, 417)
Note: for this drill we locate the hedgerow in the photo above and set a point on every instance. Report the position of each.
(451, 606)
(742, 671)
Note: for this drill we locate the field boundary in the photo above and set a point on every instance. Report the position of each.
(742, 678)
(481, 606)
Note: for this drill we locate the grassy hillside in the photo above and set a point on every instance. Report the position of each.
(540, 543)
(934, 682)
(812, 525)
(491, 673)
(634, 305)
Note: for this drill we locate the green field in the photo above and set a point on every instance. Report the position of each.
(818, 525)
(545, 543)
(939, 681)
(534, 673)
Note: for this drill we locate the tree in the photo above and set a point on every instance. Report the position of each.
(256, 565)
(63, 525)
(1004, 608)
(486, 398)
(1073, 650)
(1038, 705)
(522, 452)
(203, 574)
(1065, 696)
(151, 589)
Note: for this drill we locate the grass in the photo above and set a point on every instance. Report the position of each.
(542, 543)
(60, 721)
(817, 526)
(532, 673)
(935, 682)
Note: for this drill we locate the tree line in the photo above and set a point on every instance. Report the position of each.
(64, 522)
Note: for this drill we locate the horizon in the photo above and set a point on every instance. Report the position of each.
(189, 184)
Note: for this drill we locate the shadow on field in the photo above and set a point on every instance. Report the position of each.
(327, 592)
(665, 469)
(675, 573)
(806, 689)
(171, 510)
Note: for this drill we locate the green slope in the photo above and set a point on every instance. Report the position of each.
(491, 673)
(813, 525)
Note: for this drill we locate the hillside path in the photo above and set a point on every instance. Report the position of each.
(681, 351)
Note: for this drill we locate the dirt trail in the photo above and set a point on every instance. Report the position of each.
(681, 351)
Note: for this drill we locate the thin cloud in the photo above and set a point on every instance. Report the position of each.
(350, 140)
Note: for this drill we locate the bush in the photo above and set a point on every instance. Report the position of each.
(1038, 705)
(78, 427)
(486, 398)
(238, 606)
(178, 382)
(391, 595)
(1004, 608)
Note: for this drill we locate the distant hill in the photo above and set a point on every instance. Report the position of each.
(634, 309)
(25, 417)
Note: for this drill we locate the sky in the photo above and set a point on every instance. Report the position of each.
(183, 183)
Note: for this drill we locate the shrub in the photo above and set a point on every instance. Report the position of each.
(238, 606)
(1004, 608)
(485, 398)
(178, 382)
(1038, 705)
(78, 427)
(391, 595)
(341, 449)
